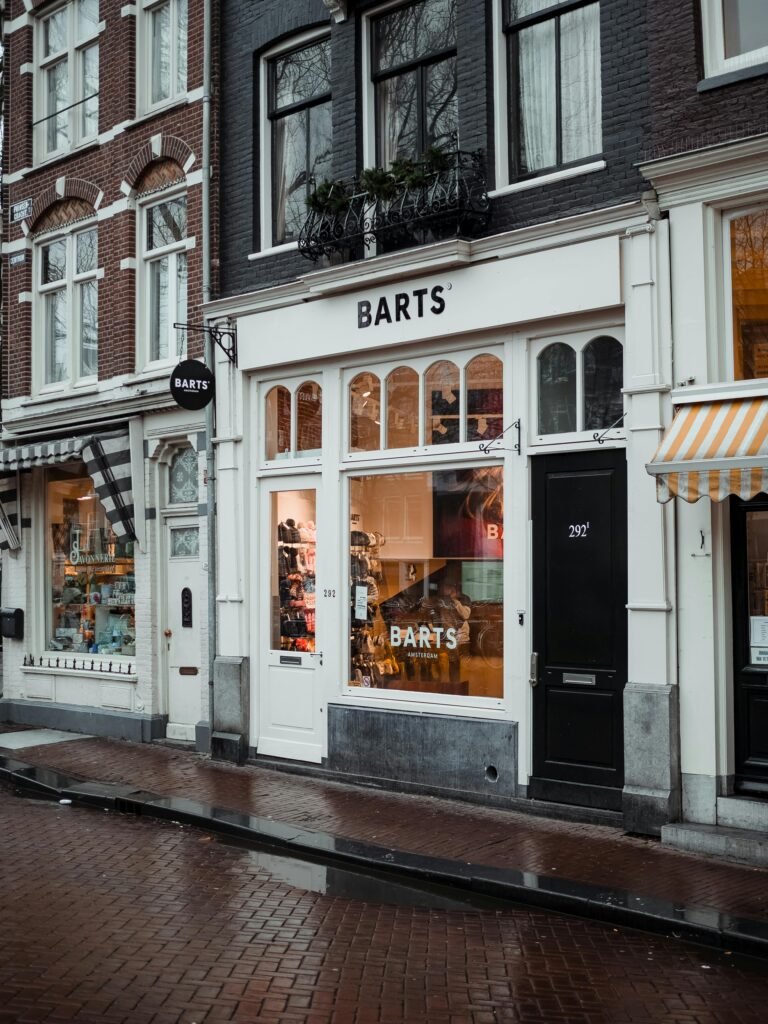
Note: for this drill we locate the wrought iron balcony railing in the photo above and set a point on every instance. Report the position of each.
(452, 200)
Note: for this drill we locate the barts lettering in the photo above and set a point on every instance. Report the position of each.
(401, 307)
(423, 637)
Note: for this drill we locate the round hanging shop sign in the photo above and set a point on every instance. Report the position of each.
(192, 384)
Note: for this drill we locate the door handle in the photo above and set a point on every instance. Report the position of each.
(533, 679)
(167, 632)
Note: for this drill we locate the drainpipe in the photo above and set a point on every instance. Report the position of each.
(209, 356)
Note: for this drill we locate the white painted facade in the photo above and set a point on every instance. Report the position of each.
(601, 273)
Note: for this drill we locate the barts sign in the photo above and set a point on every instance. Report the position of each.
(192, 384)
(401, 306)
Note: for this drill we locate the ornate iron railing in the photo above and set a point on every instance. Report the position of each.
(448, 202)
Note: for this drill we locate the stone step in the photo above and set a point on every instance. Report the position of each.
(743, 845)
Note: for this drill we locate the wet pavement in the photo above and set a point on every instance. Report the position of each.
(589, 869)
(111, 918)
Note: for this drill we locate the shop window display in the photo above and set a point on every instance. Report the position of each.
(402, 408)
(484, 398)
(293, 594)
(442, 395)
(426, 595)
(365, 413)
(92, 581)
(309, 419)
(278, 423)
(749, 294)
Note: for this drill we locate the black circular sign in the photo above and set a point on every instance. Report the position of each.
(192, 384)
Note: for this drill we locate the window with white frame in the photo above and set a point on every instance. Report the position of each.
(164, 276)
(293, 421)
(67, 78)
(578, 385)
(746, 258)
(735, 34)
(553, 51)
(413, 64)
(67, 318)
(299, 116)
(427, 402)
(163, 42)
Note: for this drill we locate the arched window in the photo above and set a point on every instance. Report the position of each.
(183, 486)
(485, 381)
(365, 413)
(402, 408)
(557, 389)
(309, 419)
(278, 422)
(442, 403)
(603, 368)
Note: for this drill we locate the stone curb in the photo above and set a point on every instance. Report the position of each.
(611, 906)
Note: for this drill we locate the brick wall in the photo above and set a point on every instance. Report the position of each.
(682, 117)
(99, 170)
(250, 28)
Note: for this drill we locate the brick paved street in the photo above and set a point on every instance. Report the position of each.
(445, 828)
(107, 918)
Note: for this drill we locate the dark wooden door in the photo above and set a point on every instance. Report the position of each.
(579, 668)
(749, 565)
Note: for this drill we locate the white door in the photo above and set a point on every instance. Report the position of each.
(290, 716)
(182, 630)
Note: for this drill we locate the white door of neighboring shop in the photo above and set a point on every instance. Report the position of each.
(290, 717)
(182, 628)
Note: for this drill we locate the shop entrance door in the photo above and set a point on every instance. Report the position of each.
(579, 668)
(290, 708)
(182, 629)
(749, 574)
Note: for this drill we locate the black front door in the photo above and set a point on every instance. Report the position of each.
(579, 668)
(749, 575)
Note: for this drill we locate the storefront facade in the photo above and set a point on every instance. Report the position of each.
(424, 470)
(104, 537)
(710, 470)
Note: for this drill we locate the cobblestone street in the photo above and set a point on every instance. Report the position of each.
(108, 918)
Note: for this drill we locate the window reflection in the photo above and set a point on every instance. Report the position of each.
(749, 284)
(442, 398)
(365, 413)
(402, 408)
(603, 363)
(309, 419)
(485, 378)
(278, 422)
(557, 389)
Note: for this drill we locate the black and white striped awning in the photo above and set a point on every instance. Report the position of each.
(107, 459)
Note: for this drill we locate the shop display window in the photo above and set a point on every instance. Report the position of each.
(442, 395)
(749, 294)
(365, 413)
(292, 571)
(402, 408)
(426, 593)
(92, 583)
(757, 569)
(278, 423)
(485, 405)
(309, 419)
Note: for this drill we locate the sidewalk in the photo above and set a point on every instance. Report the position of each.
(586, 869)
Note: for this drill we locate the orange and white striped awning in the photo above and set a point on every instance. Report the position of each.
(714, 449)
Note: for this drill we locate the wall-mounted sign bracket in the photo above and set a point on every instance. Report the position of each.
(600, 438)
(225, 337)
(496, 444)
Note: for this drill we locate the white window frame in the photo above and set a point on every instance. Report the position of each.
(70, 285)
(420, 364)
(713, 35)
(265, 149)
(146, 10)
(73, 54)
(176, 339)
(288, 460)
(578, 341)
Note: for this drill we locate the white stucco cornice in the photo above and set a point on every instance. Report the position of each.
(715, 172)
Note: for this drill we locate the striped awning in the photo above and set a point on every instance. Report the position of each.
(107, 459)
(713, 449)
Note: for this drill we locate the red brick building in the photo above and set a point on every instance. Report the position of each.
(107, 243)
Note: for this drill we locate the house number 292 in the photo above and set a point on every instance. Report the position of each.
(578, 530)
